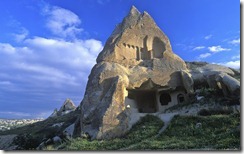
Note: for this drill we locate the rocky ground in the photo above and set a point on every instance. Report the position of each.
(5, 141)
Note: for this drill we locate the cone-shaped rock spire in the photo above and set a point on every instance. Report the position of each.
(134, 10)
(137, 56)
(136, 38)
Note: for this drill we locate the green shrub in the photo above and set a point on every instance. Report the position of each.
(215, 111)
(26, 142)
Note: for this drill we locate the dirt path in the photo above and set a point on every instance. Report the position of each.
(166, 118)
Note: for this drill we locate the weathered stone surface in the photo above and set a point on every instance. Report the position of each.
(57, 140)
(66, 108)
(70, 130)
(231, 83)
(55, 113)
(136, 39)
(187, 81)
(6, 142)
(68, 105)
(215, 76)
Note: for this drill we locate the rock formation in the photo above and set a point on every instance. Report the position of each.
(216, 77)
(136, 73)
(67, 107)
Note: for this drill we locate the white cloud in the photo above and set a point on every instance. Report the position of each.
(54, 70)
(232, 64)
(72, 53)
(199, 48)
(235, 42)
(93, 45)
(208, 37)
(205, 55)
(235, 57)
(62, 22)
(44, 71)
(51, 60)
(19, 37)
(7, 48)
(218, 48)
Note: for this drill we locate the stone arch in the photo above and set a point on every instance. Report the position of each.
(165, 99)
(158, 48)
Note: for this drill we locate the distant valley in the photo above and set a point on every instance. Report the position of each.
(7, 124)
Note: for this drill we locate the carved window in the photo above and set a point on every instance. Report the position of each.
(165, 99)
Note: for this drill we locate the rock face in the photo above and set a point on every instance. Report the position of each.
(67, 106)
(136, 73)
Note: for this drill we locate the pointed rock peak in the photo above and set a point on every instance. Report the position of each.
(131, 19)
(147, 16)
(68, 101)
(145, 13)
(134, 10)
(68, 105)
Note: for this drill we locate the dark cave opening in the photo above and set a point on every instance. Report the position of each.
(145, 100)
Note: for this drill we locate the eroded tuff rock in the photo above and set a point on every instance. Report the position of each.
(67, 107)
(215, 76)
(137, 64)
(137, 73)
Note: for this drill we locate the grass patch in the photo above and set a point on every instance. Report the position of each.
(217, 132)
(144, 129)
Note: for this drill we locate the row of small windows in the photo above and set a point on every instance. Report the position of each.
(165, 98)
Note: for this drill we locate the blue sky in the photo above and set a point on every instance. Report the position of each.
(47, 49)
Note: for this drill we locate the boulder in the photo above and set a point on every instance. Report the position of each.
(57, 140)
(216, 77)
(232, 85)
(70, 130)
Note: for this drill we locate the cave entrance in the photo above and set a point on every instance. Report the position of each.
(145, 100)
